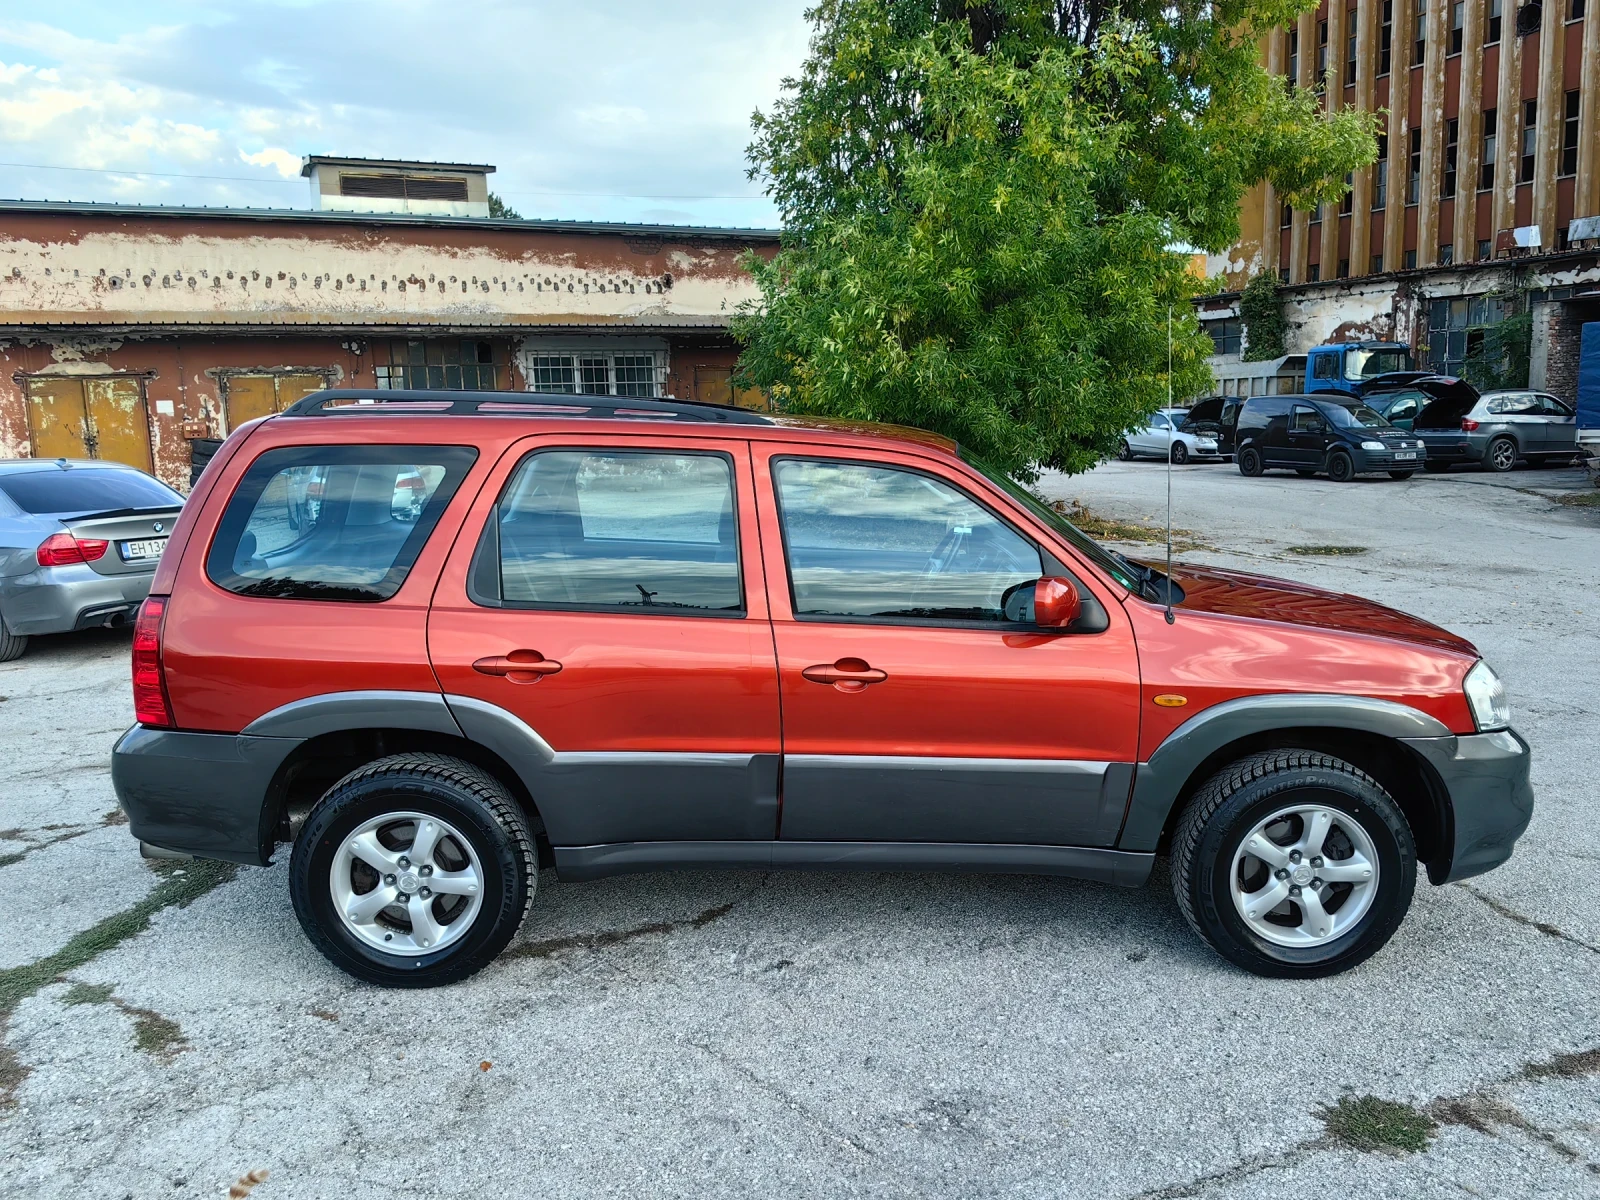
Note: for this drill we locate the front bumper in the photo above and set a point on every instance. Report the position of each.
(1486, 777)
(205, 794)
(1387, 460)
(62, 599)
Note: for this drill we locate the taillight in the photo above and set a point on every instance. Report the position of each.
(62, 550)
(1468, 425)
(150, 703)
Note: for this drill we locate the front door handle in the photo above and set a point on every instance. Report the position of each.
(847, 675)
(520, 666)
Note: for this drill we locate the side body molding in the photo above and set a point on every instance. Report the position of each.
(336, 711)
(1160, 780)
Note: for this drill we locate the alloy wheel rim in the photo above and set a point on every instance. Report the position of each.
(407, 883)
(1304, 876)
(1504, 456)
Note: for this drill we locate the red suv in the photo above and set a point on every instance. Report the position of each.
(441, 639)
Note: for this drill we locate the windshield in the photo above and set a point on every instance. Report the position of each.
(1357, 416)
(1113, 565)
(82, 490)
(1365, 364)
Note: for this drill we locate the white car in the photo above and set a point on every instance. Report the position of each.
(1162, 437)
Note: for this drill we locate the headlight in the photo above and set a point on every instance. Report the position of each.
(1373, 446)
(1491, 707)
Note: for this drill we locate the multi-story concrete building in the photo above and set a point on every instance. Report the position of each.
(126, 331)
(1484, 201)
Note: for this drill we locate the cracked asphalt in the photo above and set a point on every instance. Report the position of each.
(709, 1035)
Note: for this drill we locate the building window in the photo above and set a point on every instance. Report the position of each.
(1411, 260)
(1455, 330)
(1530, 140)
(598, 373)
(1414, 175)
(1386, 38)
(1447, 254)
(1283, 274)
(1227, 335)
(1344, 268)
(1377, 263)
(1564, 238)
(1458, 22)
(1419, 29)
(1322, 52)
(1314, 273)
(1569, 136)
(445, 364)
(1286, 218)
(1452, 145)
(1350, 46)
(1484, 247)
(1486, 158)
(1294, 59)
(1575, 10)
(1380, 173)
(1347, 201)
(403, 187)
(1314, 216)
(1491, 32)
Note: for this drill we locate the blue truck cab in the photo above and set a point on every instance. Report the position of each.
(1355, 368)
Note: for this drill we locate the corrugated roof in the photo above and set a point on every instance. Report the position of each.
(309, 216)
(333, 160)
(345, 321)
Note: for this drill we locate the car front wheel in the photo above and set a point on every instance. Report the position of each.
(1250, 462)
(413, 871)
(1125, 452)
(1179, 453)
(1340, 468)
(1293, 863)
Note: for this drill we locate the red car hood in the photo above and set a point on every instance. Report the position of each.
(1237, 594)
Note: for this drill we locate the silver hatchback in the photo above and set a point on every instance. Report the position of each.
(79, 544)
(1497, 430)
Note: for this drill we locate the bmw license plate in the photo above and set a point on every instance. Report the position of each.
(1402, 455)
(137, 551)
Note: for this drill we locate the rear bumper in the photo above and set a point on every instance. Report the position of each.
(204, 794)
(62, 599)
(1454, 448)
(1486, 777)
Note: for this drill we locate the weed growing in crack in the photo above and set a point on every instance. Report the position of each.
(88, 993)
(1566, 1066)
(1369, 1124)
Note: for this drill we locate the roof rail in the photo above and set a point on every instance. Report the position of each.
(433, 402)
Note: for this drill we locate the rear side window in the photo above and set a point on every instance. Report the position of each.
(333, 522)
(86, 490)
(604, 530)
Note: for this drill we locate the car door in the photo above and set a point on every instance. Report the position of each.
(1560, 426)
(1306, 438)
(1143, 439)
(912, 711)
(606, 593)
(1403, 410)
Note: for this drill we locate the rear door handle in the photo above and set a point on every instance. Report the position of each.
(847, 675)
(520, 666)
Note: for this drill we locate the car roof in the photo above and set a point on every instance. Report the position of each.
(21, 466)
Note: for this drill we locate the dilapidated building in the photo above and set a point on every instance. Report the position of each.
(126, 331)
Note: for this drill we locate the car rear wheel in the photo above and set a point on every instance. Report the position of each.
(1401, 474)
(1293, 863)
(1179, 453)
(414, 871)
(1501, 455)
(1250, 462)
(1125, 452)
(1340, 468)
(11, 646)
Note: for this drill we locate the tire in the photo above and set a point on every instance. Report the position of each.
(1501, 456)
(1341, 469)
(1125, 452)
(11, 646)
(1208, 858)
(1179, 453)
(1436, 468)
(1401, 474)
(1304, 473)
(485, 836)
(1250, 462)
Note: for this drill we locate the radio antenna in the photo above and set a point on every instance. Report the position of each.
(1172, 437)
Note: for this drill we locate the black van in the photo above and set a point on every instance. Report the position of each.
(1308, 434)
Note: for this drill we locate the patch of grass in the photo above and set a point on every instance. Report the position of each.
(1566, 1066)
(1109, 529)
(1327, 551)
(175, 890)
(12, 1071)
(88, 993)
(155, 1034)
(1369, 1124)
(1580, 499)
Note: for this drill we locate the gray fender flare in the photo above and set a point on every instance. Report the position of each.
(1159, 781)
(339, 711)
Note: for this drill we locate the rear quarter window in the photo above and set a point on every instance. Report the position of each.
(333, 522)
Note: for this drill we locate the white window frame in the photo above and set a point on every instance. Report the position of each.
(591, 366)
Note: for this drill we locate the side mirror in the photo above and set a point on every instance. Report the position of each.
(1056, 603)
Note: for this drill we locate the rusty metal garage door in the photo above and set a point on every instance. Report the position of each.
(102, 417)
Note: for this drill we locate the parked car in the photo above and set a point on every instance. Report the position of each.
(1312, 434)
(627, 635)
(1216, 417)
(79, 543)
(1497, 430)
(1162, 436)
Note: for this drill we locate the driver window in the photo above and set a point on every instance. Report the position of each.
(867, 542)
(1304, 420)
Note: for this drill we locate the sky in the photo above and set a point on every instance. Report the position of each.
(607, 110)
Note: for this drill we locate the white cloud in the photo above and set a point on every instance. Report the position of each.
(286, 164)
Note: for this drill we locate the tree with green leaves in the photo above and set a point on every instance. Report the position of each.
(983, 204)
(500, 210)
